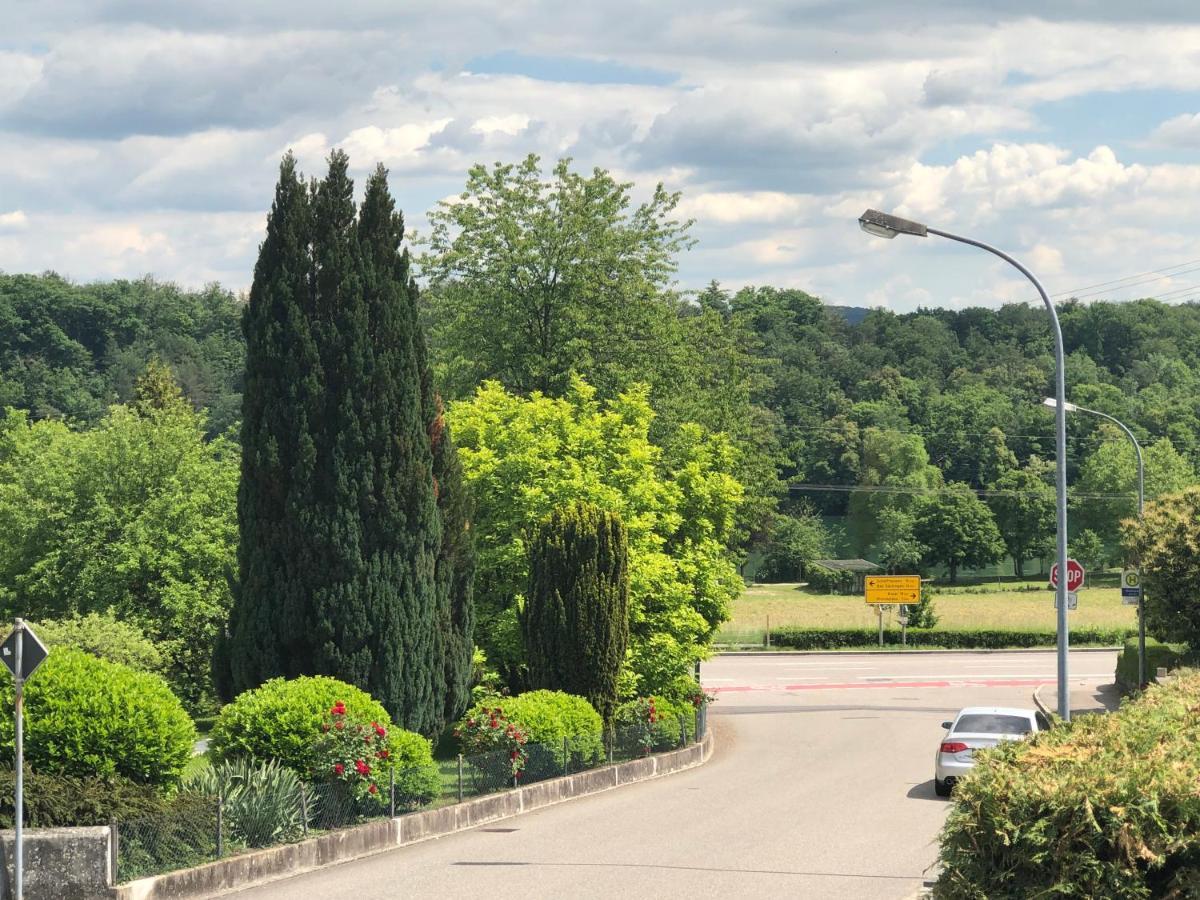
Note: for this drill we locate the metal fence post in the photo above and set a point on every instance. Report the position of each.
(220, 829)
(682, 730)
(392, 789)
(303, 811)
(566, 759)
(612, 739)
(113, 849)
(460, 778)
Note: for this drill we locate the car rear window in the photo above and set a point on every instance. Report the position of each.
(988, 723)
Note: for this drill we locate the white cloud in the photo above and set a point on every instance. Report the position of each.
(13, 221)
(1180, 131)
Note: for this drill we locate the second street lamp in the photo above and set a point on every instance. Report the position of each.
(886, 225)
(1141, 496)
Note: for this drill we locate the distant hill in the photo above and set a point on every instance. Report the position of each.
(852, 314)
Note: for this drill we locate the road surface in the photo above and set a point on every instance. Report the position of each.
(821, 786)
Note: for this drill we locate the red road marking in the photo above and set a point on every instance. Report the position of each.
(857, 685)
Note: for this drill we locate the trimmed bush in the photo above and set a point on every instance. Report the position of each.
(1170, 656)
(281, 719)
(418, 780)
(549, 716)
(829, 581)
(1105, 806)
(966, 639)
(89, 717)
(631, 724)
(54, 801)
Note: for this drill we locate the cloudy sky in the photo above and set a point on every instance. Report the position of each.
(139, 136)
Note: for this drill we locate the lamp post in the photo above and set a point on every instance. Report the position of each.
(888, 226)
(1141, 495)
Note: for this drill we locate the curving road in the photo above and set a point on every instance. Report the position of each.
(820, 787)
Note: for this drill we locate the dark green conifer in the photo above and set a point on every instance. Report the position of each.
(576, 616)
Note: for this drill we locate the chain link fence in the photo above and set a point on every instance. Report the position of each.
(204, 827)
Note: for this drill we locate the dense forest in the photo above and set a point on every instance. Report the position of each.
(849, 421)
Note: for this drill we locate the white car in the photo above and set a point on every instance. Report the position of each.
(976, 728)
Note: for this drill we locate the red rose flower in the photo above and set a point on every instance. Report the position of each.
(361, 767)
(381, 731)
(372, 790)
(339, 724)
(338, 768)
(382, 754)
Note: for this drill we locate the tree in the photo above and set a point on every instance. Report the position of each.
(795, 541)
(1024, 505)
(576, 616)
(895, 470)
(1089, 550)
(523, 458)
(135, 519)
(957, 530)
(531, 280)
(899, 550)
(342, 533)
(1164, 543)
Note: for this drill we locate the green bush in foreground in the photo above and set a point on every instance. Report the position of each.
(1169, 656)
(964, 639)
(89, 717)
(547, 717)
(1106, 806)
(54, 801)
(281, 719)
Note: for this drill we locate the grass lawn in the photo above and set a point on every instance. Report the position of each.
(1016, 608)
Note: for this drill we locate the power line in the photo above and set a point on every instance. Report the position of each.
(1077, 292)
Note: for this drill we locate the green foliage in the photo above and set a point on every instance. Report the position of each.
(522, 458)
(547, 717)
(958, 639)
(651, 724)
(59, 801)
(1088, 548)
(342, 564)
(89, 717)
(957, 529)
(281, 720)
(104, 635)
(134, 519)
(261, 801)
(576, 616)
(830, 581)
(923, 614)
(1165, 542)
(69, 351)
(1102, 807)
(418, 781)
(1024, 506)
(794, 543)
(1169, 656)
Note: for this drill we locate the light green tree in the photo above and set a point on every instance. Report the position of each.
(957, 529)
(136, 518)
(524, 457)
(894, 473)
(1024, 506)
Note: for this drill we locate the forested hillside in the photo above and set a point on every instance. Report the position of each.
(853, 421)
(69, 351)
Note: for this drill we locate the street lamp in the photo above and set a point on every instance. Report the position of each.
(1141, 484)
(884, 225)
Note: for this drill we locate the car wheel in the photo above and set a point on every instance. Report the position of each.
(941, 788)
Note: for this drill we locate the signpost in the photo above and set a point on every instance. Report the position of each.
(1131, 587)
(1075, 575)
(1072, 600)
(889, 589)
(22, 652)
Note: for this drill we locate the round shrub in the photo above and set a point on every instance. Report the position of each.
(549, 716)
(636, 731)
(90, 717)
(281, 719)
(418, 780)
(105, 636)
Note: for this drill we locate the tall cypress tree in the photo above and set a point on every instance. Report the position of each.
(576, 616)
(402, 536)
(282, 395)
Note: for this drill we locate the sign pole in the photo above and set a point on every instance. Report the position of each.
(879, 609)
(19, 798)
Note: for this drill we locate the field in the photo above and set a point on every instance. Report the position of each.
(1010, 606)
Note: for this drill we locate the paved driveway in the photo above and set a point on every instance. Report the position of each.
(820, 787)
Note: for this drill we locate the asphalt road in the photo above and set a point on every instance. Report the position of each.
(821, 786)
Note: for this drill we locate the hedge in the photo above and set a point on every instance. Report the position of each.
(1169, 656)
(964, 639)
(1105, 806)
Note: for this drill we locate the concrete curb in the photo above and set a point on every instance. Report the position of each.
(276, 863)
(1037, 701)
(867, 650)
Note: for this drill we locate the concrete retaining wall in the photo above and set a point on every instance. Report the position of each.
(60, 863)
(375, 837)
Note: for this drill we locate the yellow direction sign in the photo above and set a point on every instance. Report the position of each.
(893, 588)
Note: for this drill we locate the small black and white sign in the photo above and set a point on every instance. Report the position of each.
(32, 653)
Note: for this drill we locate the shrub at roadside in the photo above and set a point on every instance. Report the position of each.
(494, 747)
(418, 781)
(650, 724)
(281, 719)
(1169, 656)
(1103, 807)
(966, 639)
(89, 717)
(260, 801)
(53, 801)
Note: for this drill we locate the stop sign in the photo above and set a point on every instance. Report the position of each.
(1074, 575)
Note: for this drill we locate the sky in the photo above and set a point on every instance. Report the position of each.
(141, 137)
